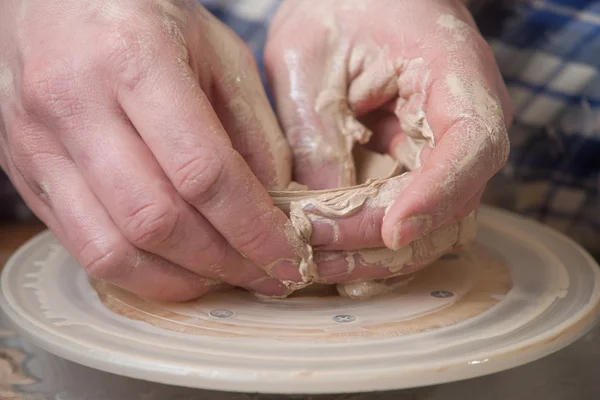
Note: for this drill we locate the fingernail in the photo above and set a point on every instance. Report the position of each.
(410, 229)
(286, 270)
(323, 233)
(270, 288)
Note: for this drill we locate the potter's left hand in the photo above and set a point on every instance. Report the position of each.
(413, 78)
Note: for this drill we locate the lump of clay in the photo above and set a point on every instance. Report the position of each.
(374, 172)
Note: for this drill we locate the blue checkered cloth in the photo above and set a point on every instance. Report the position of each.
(549, 54)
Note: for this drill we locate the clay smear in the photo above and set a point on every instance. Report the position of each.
(477, 278)
(334, 203)
(344, 202)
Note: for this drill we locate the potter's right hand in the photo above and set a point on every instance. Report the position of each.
(139, 132)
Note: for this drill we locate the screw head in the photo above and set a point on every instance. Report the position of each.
(221, 313)
(441, 294)
(344, 318)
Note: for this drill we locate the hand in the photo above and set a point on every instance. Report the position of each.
(413, 79)
(139, 132)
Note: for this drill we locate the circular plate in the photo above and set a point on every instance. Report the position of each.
(521, 292)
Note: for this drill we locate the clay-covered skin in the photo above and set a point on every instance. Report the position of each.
(366, 272)
(413, 79)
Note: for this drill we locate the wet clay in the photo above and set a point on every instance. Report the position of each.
(376, 172)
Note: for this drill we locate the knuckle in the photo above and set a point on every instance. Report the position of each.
(151, 225)
(126, 51)
(48, 89)
(198, 180)
(251, 241)
(107, 263)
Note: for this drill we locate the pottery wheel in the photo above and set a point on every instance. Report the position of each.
(518, 293)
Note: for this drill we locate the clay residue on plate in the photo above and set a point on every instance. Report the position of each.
(478, 280)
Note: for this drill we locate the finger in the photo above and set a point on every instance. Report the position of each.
(381, 263)
(390, 138)
(52, 186)
(471, 207)
(176, 121)
(361, 227)
(241, 104)
(310, 91)
(143, 204)
(454, 173)
(348, 219)
(466, 121)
